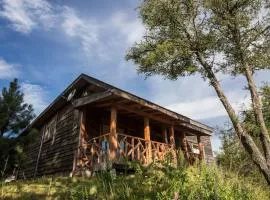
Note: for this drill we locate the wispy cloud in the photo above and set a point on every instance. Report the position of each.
(132, 29)
(26, 15)
(8, 70)
(36, 95)
(210, 107)
(76, 27)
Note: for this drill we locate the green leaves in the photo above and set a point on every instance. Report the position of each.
(162, 57)
(15, 115)
(237, 31)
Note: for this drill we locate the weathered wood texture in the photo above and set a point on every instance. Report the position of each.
(129, 148)
(208, 153)
(207, 147)
(57, 153)
(113, 135)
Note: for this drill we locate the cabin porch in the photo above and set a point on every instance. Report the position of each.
(120, 131)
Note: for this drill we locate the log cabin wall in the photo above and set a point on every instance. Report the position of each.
(31, 152)
(58, 148)
(206, 141)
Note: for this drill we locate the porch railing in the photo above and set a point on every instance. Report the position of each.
(129, 148)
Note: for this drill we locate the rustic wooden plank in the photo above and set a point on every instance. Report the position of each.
(144, 114)
(90, 98)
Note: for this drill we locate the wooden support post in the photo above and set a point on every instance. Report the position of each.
(146, 129)
(165, 135)
(172, 140)
(83, 133)
(185, 147)
(132, 146)
(200, 145)
(80, 119)
(113, 134)
(148, 142)
(172, 143)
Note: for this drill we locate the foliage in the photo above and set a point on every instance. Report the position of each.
(158, 181)
(184, 37)
(233, 157)
(12, 151)
(15, 115)
(178, 30)
(249, 119)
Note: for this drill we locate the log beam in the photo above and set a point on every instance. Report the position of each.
(147, 137)
(165, 135)
(90, 99)
(113, 134)
(201, 149)
(83, 132)
(146, 129)
(185, 146)
(171, 132)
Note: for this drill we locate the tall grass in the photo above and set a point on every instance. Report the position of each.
(157, 181)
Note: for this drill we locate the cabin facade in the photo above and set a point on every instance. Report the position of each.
(92, 123)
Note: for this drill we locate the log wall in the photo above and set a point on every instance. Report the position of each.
(206, 141)
(57, 153)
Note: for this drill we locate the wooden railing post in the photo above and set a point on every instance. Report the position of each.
(148, 142)
(113, 134)
(200, 145)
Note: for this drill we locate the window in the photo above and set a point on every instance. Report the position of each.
(50, 129)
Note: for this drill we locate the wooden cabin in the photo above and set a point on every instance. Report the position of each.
(92, 123)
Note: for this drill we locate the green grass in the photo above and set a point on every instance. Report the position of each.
(154, 182)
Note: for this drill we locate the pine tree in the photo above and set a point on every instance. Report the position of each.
(15, 115)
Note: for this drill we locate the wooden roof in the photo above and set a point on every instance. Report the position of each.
(106, 95)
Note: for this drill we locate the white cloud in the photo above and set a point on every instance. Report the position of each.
(132, 29)
(211, 106)
(195, 98)
(35, 95)
(25, 15)
(96, 37)
(74, 26)
(7, 70)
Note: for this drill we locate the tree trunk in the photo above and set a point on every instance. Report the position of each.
(257, 109)
(246, 140)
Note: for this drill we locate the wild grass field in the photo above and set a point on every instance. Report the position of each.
(153, 182)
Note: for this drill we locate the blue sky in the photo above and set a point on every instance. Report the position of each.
(47, 44)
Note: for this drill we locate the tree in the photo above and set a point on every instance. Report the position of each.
(185, 37)
(233, 157)
(15, 115)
